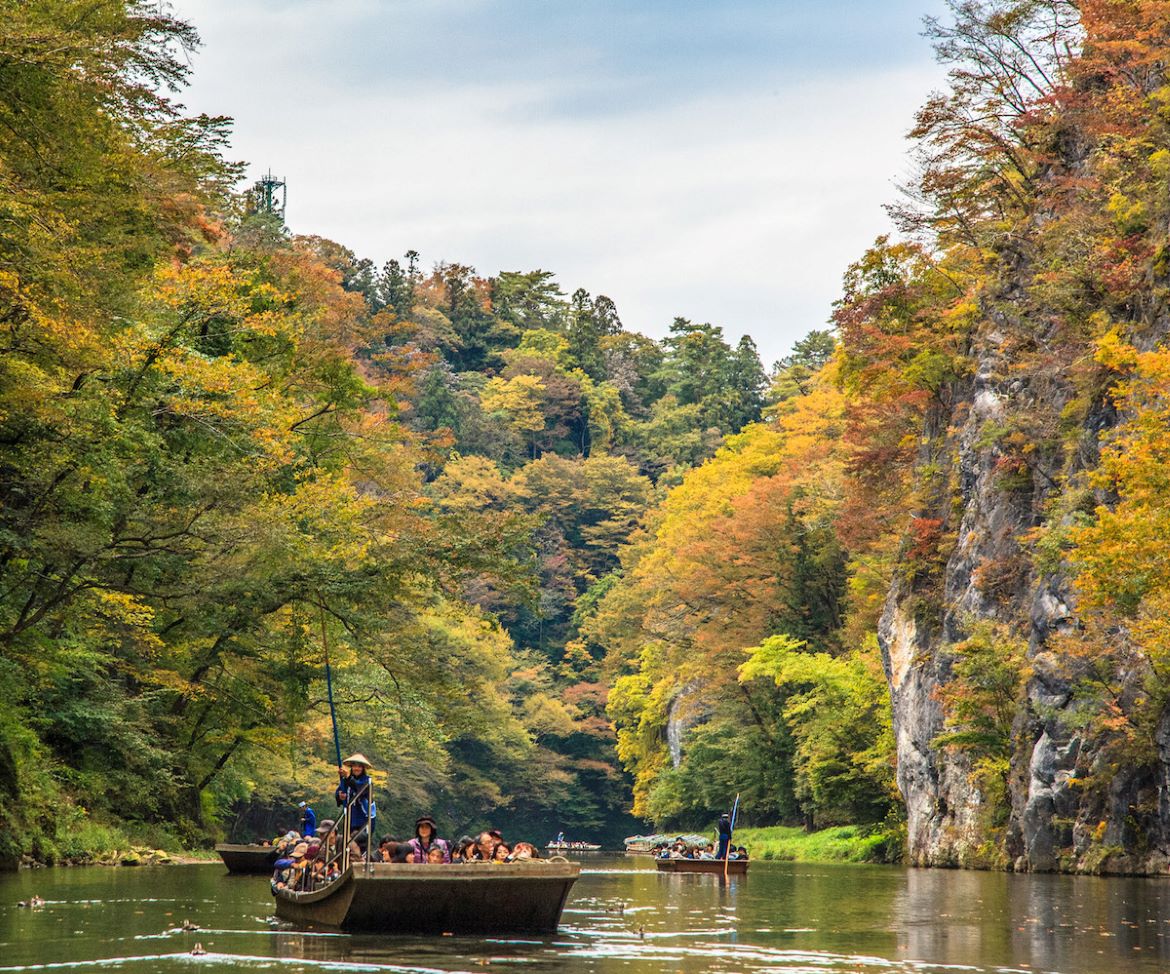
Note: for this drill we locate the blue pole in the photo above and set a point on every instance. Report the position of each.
(329, 688)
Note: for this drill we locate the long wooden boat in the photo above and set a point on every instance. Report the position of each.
(247, 858)
(518, 897)
(735, 867)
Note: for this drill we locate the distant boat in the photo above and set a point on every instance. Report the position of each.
(641, 845)
(735, 867)
(559, 845)
(240, 858)
(518, 897)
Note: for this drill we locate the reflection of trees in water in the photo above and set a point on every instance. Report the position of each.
(943, 916)
(1075, 925)
(1066, 923)
(1087, 921)
(309, 947)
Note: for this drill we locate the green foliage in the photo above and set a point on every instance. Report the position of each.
(701, 369)
(836, 710)
(724, 757)
(983, 694)
(793, 375)
(841, 843)
(515, 521)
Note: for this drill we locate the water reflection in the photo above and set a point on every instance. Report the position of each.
(1059, 923)
(623, 916)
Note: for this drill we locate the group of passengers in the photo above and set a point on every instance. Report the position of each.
(681, 849)
(310, 858)
(427, 847)
(312, 862)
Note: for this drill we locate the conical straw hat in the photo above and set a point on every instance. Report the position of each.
(358, 758)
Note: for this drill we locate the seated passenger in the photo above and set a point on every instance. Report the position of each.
(524, 850)
(318, 874)
(296, 880)
(501, 852)
(285, 843)
(436, 856)
(426, 837)
(464, 850)
(281, 874)
(485, 847)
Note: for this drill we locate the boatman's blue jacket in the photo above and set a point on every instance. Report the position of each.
(350, 787)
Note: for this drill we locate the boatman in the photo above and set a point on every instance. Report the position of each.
(355, 781)
(724, 835)
(308, 820)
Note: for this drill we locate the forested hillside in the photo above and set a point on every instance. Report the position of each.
(570, 576)
(965, 508)
(224, 447)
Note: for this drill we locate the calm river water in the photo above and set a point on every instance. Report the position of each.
(781, 919)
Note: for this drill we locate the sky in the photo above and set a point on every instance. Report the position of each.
(722, 160)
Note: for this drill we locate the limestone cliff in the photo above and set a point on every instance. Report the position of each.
(1051, 821)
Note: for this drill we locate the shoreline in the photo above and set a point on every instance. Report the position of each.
(130, 859)
(840, 843)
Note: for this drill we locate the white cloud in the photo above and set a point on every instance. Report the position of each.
(741, 206)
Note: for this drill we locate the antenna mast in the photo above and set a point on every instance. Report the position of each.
(268, 195)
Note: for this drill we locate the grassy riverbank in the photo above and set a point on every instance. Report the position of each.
(844, 843)
(82, 842)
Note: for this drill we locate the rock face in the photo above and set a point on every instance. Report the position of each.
(685, 712)
(1054, 822)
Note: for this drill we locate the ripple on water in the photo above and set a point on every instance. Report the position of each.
(782, 920)
(234, 960)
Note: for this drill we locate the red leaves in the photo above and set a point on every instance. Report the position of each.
(925, 533)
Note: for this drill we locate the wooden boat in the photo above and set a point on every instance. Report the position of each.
(642, 845)
(518, 897)
(735, 867)
(247, 858)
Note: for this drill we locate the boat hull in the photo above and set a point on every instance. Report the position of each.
(247, 858)
(715, 867)
(523, 897)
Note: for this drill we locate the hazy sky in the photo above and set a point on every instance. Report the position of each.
(722, 160)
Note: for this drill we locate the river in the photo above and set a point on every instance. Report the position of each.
(783, 918)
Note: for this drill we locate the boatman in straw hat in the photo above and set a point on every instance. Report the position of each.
(355, 781)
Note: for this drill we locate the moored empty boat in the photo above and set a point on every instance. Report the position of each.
(734, 867)
(518, 897)
(246, 858)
